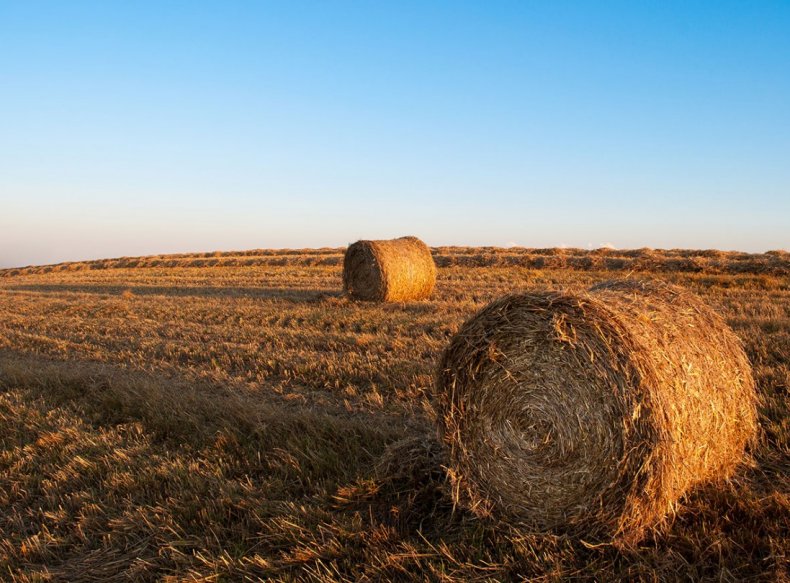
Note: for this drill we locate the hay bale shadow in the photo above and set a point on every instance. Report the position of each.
(408, 490)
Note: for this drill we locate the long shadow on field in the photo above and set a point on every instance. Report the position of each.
(308, 447)
(283, 293)
(309, 490)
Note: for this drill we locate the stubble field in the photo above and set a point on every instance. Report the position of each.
(232, 416)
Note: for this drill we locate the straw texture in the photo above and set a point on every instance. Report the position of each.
(396, 270)
(592, 413)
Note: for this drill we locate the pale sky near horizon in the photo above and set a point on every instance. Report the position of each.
(135, 128)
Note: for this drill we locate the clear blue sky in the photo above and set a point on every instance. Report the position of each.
(131, 128)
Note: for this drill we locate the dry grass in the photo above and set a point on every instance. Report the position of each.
(593, 412)
(397, 270)
(617, 260)
(228, 421)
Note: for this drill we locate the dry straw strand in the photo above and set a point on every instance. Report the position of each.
(593, 413)
(395, 270)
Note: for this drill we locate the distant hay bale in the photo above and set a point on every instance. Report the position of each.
(593, 413)
(396, 270)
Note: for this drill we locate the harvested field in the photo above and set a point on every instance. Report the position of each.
(232, 415)
(616, 260)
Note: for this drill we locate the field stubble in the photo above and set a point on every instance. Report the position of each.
(222, 416)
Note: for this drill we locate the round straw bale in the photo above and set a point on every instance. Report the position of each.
(592, 413)
(396, 270)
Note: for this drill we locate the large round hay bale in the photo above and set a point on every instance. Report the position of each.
(592, 413)
(396, 270)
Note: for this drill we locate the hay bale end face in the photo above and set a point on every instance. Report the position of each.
(593, 413)
(394, 270)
